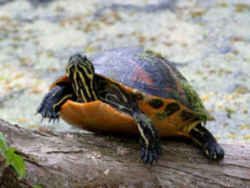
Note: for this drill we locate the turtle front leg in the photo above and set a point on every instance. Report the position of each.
(115, 96)
(206, 141)
(149, 138)
(53, 100)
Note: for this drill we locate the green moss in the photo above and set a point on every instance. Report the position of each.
(193, 98)
(148, 54)
(153, 53)
(195, 101)
(144, 55)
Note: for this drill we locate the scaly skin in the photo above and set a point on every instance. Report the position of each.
(82, 93)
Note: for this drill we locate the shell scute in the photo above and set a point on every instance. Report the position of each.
(149, 73)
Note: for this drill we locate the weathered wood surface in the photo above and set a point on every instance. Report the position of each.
(77, 160)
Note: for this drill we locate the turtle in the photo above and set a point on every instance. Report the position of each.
(131, 90)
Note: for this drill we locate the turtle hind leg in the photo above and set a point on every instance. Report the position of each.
(206, 141)
(53, 100)
(149, 138)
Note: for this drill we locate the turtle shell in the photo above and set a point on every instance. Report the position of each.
(150, 73)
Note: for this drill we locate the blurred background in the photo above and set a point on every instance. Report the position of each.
(210, 40)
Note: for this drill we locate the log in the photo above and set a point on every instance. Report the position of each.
(77, 160)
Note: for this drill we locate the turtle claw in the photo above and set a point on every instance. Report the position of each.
(47, 112)
(150, 153)
(213, 151)
(50, 105)
(53, 119)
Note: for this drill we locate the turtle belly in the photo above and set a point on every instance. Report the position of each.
(97, 116)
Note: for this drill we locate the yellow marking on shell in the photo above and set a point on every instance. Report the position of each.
(61, 101)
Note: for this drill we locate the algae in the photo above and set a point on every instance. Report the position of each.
(153, 53)
(195, 101)
(149, 55)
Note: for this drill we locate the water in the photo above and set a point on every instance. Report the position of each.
(211, 39)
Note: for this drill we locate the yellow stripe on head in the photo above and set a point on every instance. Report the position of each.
(81, 71)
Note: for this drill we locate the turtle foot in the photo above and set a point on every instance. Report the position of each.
(46, 111)
(151, 153)
(206, 141)
(46, 108)
(213, 151)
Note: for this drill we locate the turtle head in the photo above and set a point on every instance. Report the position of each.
(81, 71)
(79, 62)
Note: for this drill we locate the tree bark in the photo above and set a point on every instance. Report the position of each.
(78, 160)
